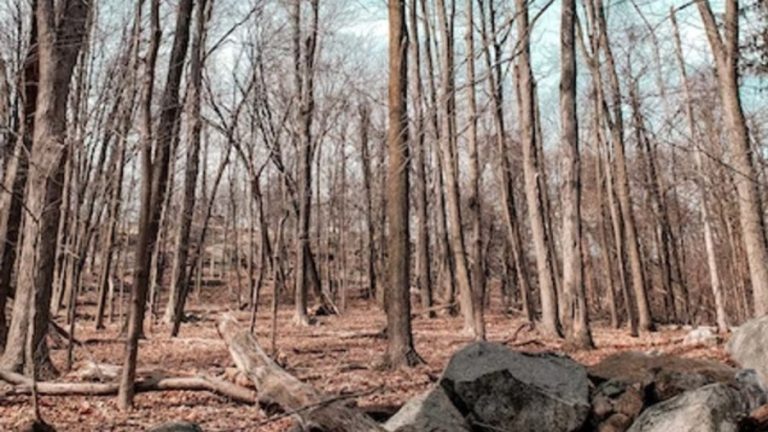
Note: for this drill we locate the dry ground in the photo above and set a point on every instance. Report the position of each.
(334, 355)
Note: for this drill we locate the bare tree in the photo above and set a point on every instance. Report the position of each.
(577, 324)
(154, 178)
(725, 49)
(400, 351)
(56, 62)
(532, 174)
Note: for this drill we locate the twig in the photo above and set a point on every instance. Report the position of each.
(317, 404)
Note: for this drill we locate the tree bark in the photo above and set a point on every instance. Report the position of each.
(179, 277)
(725, 49)
(276, 387)
(532, 173)
(577, 331)
(400, 351)
(49, 155)
(450, 166)
(154, 180)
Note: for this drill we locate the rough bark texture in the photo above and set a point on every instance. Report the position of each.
(45, 181)
(400, 350)
(154, 185)
(725, 49)
(451, 171)
(179, 279)
(550, 322)
(577, 332)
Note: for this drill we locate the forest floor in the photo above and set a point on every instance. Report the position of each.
(337, 355)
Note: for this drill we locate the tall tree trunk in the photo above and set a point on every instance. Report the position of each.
(532, 173)
(400, 351)
(514, 241)
(304, 68)
(577, 331)
(365, 155)
(477, 267)
(616, 125)
(709, 241)
(445, 273)
(423, 263)
(450, 165)
(48, 159)
(15, 175)
(179, 277)
(725, 49)
(154, 180)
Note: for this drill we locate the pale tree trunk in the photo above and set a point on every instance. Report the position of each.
(400, 350)
(645, 320)
(304, 87)
(709, 241)
(532, 174)
(154, 180)
(577, 324)
(31, 308)
(600, 119)
(423, 264)
(15, 176)
(450, 166)
(514, 241)
(445, 273)
(477, 261)
(179, 277)
(725, 48)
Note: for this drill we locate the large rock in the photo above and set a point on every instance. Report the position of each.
(712, 408)
(661, 377)
(431, 411)
(498, 389)
(749, 346)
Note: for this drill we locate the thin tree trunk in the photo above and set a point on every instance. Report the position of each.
(423, 263)
(450, 165)
(179, 269)
(709, 242)
(154, 181)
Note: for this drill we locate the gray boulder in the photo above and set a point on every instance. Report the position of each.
(498, 389)
(712, 408)
(749, 346)
(430, 411)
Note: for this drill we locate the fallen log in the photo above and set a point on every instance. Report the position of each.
(23, 385)
(277, 388)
